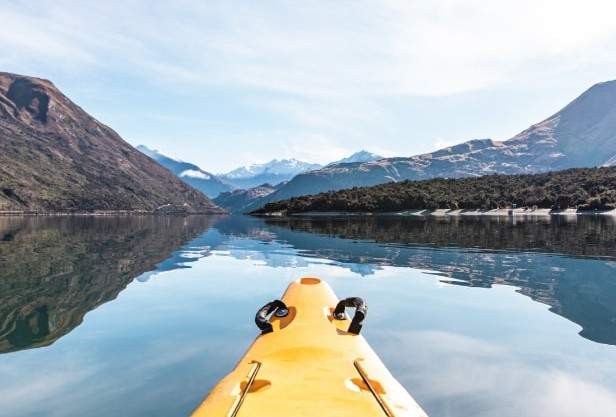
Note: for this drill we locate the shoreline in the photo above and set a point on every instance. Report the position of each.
(103, 214)
(517, 212)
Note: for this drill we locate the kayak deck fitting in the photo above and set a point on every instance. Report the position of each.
(309, 361)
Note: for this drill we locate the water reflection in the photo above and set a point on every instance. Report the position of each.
(480, 253)
(460, 348)
(582, 236)
(55, 270)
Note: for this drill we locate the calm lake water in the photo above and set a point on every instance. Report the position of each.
(143, 316)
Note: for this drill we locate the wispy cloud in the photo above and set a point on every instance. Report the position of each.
(348, 47)
(328, 69)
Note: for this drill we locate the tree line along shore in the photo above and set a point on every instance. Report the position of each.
(584, 189)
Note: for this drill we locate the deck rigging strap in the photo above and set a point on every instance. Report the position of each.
(277, 306)
(361, 309)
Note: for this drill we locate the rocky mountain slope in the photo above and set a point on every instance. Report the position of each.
(583, 134)
(54, 157)
(209, 184)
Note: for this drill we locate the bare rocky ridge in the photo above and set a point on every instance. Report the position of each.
(54, 157)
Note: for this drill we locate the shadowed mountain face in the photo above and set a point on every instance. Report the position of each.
(583, 134)
(54, 157)
(53, 271)
(244, 201)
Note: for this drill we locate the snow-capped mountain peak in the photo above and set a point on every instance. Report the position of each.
(273, 172)
(361, 156)
(290, 166)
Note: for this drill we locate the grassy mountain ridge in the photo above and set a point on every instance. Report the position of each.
(581, 188)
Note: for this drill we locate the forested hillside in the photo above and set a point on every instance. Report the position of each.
(581, 188)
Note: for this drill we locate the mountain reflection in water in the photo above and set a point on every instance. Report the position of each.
(56, 269)
(480, 252)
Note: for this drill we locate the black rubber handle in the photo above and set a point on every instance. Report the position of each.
(361, 310)
(261, 318)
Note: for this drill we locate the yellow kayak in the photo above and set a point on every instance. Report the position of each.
(310, 360)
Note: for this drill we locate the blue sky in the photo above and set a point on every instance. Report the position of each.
(230, 83)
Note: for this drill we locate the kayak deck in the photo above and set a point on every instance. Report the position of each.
(309, 365)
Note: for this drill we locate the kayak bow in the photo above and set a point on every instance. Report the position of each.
(309, 361)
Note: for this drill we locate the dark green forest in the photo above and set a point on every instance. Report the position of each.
(579, 188)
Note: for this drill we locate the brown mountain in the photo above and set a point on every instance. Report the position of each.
(54, 157)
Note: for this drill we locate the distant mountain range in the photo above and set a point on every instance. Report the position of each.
(246, 200)
(583, 134)
(242, 188)
(207, 183)
(54, 157)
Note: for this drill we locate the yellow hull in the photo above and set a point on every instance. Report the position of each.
(309, 365)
